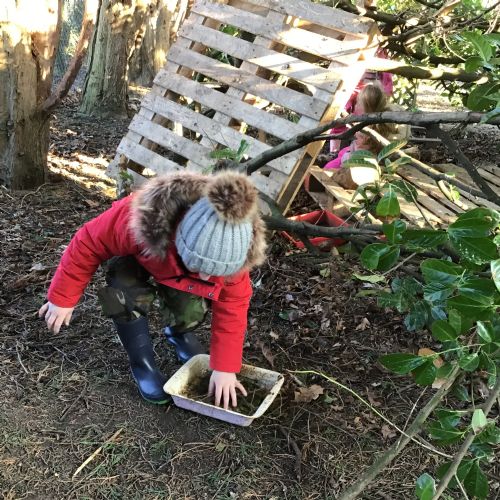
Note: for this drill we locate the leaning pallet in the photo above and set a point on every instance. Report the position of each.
(259, 71)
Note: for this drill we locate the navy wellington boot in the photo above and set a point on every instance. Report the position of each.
(134, 336)
(186, 344)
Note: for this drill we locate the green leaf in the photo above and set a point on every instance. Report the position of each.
(461, 393)
(402, 363)
(379, 256)
(491, 434)
(397, 300)
(244, 146)
(468, 307)
(479, 289)
(440, 270)
(226, 153)
(437, 292)
(473, 63)
(388, 206)
(480, 44)
(372, 278)
(478, 98)
(478, 420)
(460, 323)
(444, 370)
(475, 482)
(485, 331)
(424, 238)
(394, 230)
(469, 363)
(391, 148)
(477, 250)
(462, 471)
(425, 487)
(443, 434)
(495, 272)
(425, 374)
(418, 316)
(409, 286)
(442, 330)
(490, 115)
(359, 162)
(405, 189)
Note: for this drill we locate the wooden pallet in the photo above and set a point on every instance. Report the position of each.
(438, 210)
(292, 65)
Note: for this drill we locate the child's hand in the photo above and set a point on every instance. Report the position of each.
(55, 316)
(224, 386)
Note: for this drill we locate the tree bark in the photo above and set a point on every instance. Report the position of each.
(29, 34)
(118, 30)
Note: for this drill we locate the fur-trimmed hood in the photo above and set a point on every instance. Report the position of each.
(159, 203)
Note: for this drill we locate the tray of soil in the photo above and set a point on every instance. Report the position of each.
(188, 387)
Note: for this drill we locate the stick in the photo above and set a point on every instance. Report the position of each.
(296, 449)
(96, 452)
(389, 455)
(443, 484)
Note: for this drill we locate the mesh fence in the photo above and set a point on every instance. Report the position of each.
(72, 15)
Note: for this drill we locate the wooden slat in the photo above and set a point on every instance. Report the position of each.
(173, 142)
(338, 192)
(493, 180)
(215, 132)
(268, 185)
(319, 14)
(147, 158)
(247, 82)
(268, 122)
(428, 185)
(297, 38)
(261, 56)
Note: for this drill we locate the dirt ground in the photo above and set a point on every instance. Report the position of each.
(63, 396)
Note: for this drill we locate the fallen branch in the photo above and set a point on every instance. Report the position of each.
(312, 135)
(89, 18)
(463, 161)
(452, 470)
(388, 456)
(423, 72)
(97, 451)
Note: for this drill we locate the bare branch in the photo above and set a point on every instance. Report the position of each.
(300, 140)
(88, 23)
(423, 72)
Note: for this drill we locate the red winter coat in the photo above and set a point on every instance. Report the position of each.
(143, 225)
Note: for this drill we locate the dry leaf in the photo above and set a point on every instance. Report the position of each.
(372, 399)
(39, 267)
(425, 351)
(266, 351)
(92, 203)
(307, 394)
(363, 325)
(274, 335)
(388, 432)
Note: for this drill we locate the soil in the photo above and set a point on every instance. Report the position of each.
(197, 389)
(63, 396)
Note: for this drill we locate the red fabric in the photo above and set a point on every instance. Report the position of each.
(108, 235)
(337, 162)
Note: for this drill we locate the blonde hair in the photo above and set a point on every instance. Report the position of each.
(373, 98)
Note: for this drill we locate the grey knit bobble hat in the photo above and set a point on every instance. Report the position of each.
(215, 234)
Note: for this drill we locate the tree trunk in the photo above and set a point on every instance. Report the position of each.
(152, 56)
(120, 26)
(29, 32)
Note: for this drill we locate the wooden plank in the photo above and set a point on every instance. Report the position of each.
(297, 38)
(147, 158)
(215, 132)
(319, 14)
(338, 192)
(277, 62)
(493, 180)
(408, 210)
(428, 185)
(242, 80)
(267, 185)
(463, 175)
(272, 124)
(166, 138)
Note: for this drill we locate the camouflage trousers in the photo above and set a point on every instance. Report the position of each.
(131, 293)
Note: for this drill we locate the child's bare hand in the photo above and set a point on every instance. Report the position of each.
(55, 316)
(224, 386)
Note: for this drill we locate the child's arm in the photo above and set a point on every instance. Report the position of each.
(337, 163)
(229, 324)
(98, 240)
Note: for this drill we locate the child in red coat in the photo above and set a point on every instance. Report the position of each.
(197, 237)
